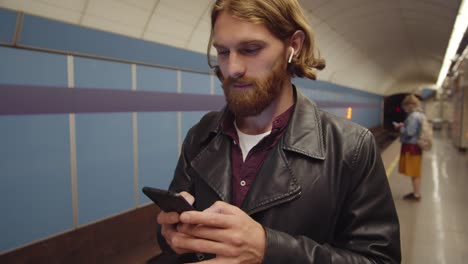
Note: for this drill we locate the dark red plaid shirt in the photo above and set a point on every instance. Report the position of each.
(243, 173)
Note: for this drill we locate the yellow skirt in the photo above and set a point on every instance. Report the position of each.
(410, 164)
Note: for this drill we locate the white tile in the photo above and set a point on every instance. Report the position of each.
(165, 39)
(199, 41)
(188, 12)
(76, 5)
(146, 5)
(111, 26)
(167, 26)
(118, 12)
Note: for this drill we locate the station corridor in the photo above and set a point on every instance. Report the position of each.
(433, 230)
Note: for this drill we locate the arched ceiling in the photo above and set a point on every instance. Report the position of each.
(382, 46)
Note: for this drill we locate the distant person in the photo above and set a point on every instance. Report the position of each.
(275, 179)
(411, 153)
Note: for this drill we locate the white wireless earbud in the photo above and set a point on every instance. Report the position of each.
(291, 56)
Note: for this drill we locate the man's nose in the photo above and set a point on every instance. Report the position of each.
(236, 66)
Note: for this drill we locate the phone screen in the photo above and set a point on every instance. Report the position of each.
(168, 201)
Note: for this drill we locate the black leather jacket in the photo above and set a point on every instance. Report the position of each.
(322, 194)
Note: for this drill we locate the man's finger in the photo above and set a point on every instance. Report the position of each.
(220, 214)
(179, 236)
(187, 196)
(209, 219)
(210, 233)
(223, 208)
(168, 218)
(217, 260)
(202, 245)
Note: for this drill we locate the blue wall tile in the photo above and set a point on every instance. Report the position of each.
(7, 25)
(104, 146)
(92, 73)
(54, 35)
(35, 189)
(367, 116)
(157, 133)
(196, 83)
(104, 154)
(156, 79)
(33, 68)
(157, 150)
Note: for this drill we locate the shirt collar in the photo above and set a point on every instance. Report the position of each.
(279, 123)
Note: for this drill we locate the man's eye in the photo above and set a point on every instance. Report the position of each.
(251, 51)
(223, 52)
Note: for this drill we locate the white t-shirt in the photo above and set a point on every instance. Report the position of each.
(247, 142)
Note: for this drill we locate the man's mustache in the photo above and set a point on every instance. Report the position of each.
(228, 82)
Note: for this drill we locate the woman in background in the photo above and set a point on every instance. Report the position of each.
(411, 153)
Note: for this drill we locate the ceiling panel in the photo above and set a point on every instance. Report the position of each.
(141, 4)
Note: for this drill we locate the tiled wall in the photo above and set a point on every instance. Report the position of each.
(35, 187)
(62, 171)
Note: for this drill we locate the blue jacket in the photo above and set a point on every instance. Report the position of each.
(409, 133)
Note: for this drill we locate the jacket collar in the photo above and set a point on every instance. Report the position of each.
(304, 134)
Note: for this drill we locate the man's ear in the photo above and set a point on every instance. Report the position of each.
(297, 41)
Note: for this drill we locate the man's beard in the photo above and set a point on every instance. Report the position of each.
(253, 100)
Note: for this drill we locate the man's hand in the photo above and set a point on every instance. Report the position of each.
(224, 230)
(168, 222)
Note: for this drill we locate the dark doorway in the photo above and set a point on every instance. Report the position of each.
(393, 112)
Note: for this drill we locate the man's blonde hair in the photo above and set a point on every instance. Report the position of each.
(282, 18)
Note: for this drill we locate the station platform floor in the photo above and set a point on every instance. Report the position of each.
(434, 229)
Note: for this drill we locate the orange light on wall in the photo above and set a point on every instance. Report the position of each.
(349, 115)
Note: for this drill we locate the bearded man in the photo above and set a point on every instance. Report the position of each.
(273, 178)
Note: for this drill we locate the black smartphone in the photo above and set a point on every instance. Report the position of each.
(168, 201)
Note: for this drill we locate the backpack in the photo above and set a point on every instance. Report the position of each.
(425, 135)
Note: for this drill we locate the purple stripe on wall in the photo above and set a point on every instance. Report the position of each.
(31, 99)
(26, 99)
(330, 104)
